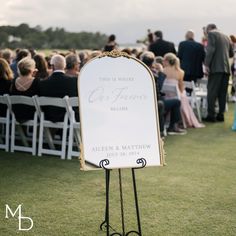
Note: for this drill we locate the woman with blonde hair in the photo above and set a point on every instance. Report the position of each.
(175, 75)
(25, 85)
(6, 76)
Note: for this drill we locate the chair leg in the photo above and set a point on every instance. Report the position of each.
(34, 137)
(1, 140)
(2, 143)
(63, 147)
(77, 138)
(13, 126)
(7, 135)
(70, 142)
(40, 145)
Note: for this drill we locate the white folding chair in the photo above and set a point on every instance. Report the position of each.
(194, 101)
(46, 125)
(5, 126)
(171, 91)
(74, 127)
(23, 100)
(201, 84)
(201, 92)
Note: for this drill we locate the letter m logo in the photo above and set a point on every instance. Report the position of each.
(8, 210)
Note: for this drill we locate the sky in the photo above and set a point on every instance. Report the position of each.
(127, 19)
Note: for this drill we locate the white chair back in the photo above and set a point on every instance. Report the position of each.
(202, 84)
(5, 126)
(47, 125)
(74, 128)
(26, 147)
(194, 101)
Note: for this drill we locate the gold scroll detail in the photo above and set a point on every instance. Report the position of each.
(115, 53)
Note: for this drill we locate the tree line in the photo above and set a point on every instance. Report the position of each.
(24, 36)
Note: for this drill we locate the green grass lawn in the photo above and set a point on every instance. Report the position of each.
(195, 194)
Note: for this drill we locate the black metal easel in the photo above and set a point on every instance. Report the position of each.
(105, 225)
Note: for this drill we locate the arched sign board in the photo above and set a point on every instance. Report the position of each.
(118, 114)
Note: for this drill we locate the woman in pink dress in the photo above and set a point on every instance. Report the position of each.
(175, 75)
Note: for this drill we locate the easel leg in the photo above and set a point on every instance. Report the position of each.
(121, 203)
(136, 202)
(136, 206)
(107, 200)
(105, 223)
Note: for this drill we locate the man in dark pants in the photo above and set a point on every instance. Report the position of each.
(219, 50)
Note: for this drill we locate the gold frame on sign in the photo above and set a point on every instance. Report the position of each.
(114, 54)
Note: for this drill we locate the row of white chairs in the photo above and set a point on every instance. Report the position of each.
(41, 127)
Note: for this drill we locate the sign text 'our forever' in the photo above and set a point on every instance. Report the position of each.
(100, 94)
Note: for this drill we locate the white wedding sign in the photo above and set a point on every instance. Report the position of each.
(118, 114)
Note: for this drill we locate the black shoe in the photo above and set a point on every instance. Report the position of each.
(209, 119)
(176, 131)
(220, 118)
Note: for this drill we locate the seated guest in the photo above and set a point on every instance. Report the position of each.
(58, 85)
(72, 65)
(165, 106)
(48, 60)
(32, 52)
(127, 50)
(42, 67)
(25, 85)
(84, 58)
(7, 54)
(175, 75)
(94, 53)
(159, 60)
(6, 77)
(20, 55)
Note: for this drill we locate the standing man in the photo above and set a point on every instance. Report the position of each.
(219, 50)
(191, 55)
(160, 46)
